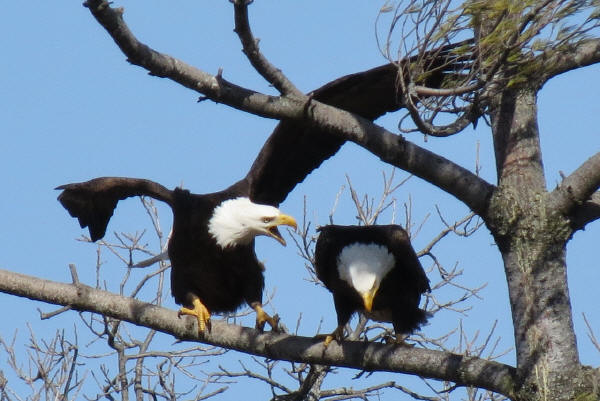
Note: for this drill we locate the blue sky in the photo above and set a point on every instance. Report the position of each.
(73, 109)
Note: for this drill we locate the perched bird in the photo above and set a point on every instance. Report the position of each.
(373, 270)
(214, 267)
(213, 264)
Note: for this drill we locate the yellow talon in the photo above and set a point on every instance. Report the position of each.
(201, 313)
(263, 317)
(336, 335)
(328, 339)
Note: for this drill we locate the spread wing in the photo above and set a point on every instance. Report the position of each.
(93, 202)
(295, 149)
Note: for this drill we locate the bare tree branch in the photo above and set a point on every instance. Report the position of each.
(51, 372)
(586, 212)
(158, 64)
(471, 371)
(577, 189)
(311, 386)
(454, 228)
(458, 181)
(395, 150)
(577, 55)
(272, 74)
(590, 333)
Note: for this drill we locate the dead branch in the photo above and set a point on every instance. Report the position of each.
(272, 74)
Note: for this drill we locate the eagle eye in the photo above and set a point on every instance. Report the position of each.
(267, 220)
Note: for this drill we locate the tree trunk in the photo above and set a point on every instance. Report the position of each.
(532, 239)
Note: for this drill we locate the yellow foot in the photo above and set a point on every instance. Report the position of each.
(328, 339)
(337, 335)
(263, 317)
(201, 313)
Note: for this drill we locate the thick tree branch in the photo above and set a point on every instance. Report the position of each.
(580, 54)
(575, 192)
(474, 191)
(391, 148)
(466, 371)
(272, 74)
(213, 87)
(586, 212)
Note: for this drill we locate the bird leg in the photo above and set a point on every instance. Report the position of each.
(401, 336)
(263, 317)
(401, 341)
(200, 311)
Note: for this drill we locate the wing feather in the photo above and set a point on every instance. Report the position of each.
(295, 149)
(399, 244)
(93, 202)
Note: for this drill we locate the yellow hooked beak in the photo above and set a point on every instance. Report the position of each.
(281, 220)
(369, 296)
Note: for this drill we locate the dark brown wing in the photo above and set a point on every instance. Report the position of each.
(294, 149)
(327, 249)
(399, 244)
(94, 201)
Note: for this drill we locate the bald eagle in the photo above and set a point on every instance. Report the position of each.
(373, 270)
(213, 264)
(214, 267)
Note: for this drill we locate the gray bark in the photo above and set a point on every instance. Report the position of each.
(471, 371)
(531, 232)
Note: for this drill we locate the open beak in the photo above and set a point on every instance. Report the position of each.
(281, 220)
(369, 296)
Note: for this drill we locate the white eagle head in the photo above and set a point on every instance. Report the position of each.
(363, 267)
(237, 221)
